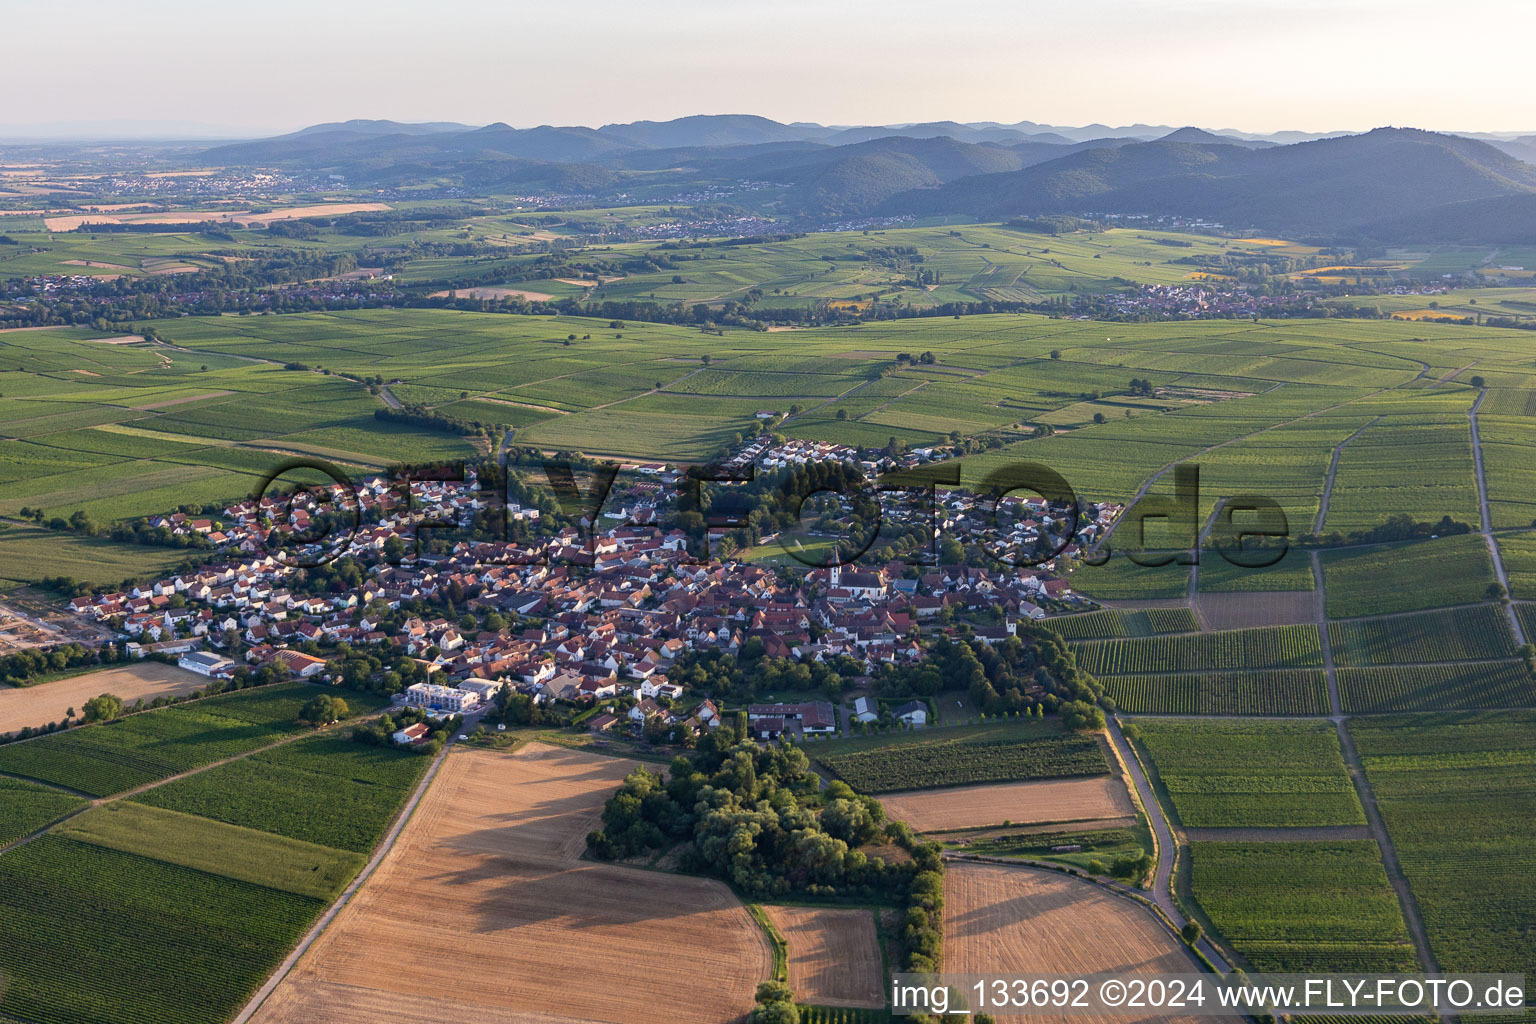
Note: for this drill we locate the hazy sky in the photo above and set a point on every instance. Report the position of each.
(1256, 65)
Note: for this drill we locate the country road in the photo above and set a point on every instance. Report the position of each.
(1167, 845)
(1487, 519)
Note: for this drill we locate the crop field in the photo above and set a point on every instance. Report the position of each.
(1262, 774)
(1286, 691)
(215, 848)
(961, 757)
(1458, 793)
(1105, 624)
(48, 702)
(834, 955)
(1021, 803)
(1459, 634)
(88, 932)
(275, 791)
(1263, 647)
(106, 759)
(494, 849)
(1024, 921)
(1407, 577)
(1298, 907)
(26, 807)
(161, 426)
(1502, 684)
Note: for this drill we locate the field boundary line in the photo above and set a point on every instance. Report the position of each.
(1333, 470)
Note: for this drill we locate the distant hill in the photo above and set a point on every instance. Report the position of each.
(1311, 187)
(845, 180)
(1502, 220)
(712, 130)
(1201, 137)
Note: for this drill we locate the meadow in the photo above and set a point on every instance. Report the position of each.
(1257, 774)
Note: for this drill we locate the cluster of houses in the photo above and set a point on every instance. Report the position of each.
(595, 614)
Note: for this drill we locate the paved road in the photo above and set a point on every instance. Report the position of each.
(1167, 845)
(389, 398)
(1487, 521)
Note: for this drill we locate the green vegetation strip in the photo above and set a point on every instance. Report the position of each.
(216, 848)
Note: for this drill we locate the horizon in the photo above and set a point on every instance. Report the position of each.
(1260, 64)
(174, 131)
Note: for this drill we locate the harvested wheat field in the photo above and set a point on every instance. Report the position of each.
(484, 900)
(494, 292)
(48, 702)
(834, 955)
(1021, 803)
(1006, 920)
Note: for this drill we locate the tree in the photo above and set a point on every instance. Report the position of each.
(1055, 353)
(775, 1005)
(323, 709)
(104, 708)
(1191, 932)
(1476, 382)
(1098, 417)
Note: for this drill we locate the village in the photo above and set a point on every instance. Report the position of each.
(593, 613)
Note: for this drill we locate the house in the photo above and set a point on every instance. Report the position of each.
(769, 720)
(913, 712)
(300, 664)
(643, 710)
(411, 734)
(865, 709)
(206, 664)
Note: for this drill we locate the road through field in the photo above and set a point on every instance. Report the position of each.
(1487, 520)
(1162, 833)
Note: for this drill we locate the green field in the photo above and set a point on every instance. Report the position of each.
(1228, 774)
(1458, 634)
(106, 759)
(1259, 648)
(215, 848)
(361, 788)
(26, 807)
(1299, 907)
(1286, 691)
(961, 756)
(88, 933)
(1458, 795)
(1407, 577)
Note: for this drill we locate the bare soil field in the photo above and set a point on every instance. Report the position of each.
(492, 292)
(1256, 608)
(485, 900)
(834, 955)
(1021, 803)
(47, 702)
(1006, 920)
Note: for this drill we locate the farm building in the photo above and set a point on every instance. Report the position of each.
(206, 664)
(411, 734)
